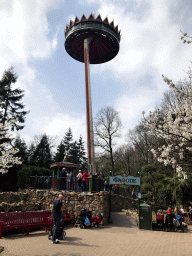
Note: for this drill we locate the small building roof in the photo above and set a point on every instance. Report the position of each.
(65, 164)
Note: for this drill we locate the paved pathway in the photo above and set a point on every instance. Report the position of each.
(120, 238)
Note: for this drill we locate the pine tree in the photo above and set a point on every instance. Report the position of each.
(23, 152)
(42, 154)
(73, 155)
(59, 156)
(82, 154)
(10, 101)
(67, 141)
(31, 153)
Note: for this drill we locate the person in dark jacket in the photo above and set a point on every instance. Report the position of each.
(62, 176)
(101, 175)
(57, 208)
(106, 186)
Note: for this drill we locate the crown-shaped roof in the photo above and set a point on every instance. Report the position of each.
(77, 20)
(99, 18)
(71, 23)
(83, 18)
(116, 28)
(92, 18)
(106, 20)
(111, 24)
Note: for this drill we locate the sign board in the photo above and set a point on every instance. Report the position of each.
(139, 195)
(124, 180)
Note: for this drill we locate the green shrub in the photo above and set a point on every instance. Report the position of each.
(26, 171)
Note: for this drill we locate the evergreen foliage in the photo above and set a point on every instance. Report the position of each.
(42, 154)
(67, 141)
(59, 156)
(23, 151)
(82, 154)
(10, 101)
(31, 154)
(73, 151)
(26, 171)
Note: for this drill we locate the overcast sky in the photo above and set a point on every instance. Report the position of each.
(32, 41)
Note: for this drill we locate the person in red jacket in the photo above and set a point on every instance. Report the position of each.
(85, 178)
(169, 210)
(117, 189)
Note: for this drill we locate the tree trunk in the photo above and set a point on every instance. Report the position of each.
(111, 154)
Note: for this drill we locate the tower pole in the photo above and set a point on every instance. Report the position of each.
(90, 135)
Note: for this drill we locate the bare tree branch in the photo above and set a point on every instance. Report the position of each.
(107, 127)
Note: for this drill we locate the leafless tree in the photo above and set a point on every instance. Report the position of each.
(142, 143)
(172, 100)
(107, 128)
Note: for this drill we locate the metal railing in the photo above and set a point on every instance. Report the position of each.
(65, 184)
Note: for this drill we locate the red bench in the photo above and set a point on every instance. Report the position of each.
(69, 219)
(24, 221)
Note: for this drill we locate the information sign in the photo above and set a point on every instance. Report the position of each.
(124, 180)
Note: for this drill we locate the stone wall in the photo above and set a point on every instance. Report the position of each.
(38, 200)
(120, 202)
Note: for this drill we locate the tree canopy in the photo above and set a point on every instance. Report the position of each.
(107, 127)
(11, 107)
(175, 128)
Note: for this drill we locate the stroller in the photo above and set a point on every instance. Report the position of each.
(160, 221)
(169, 222)
(96, 220)
(61, 232)
(85, 219)
(178, 223)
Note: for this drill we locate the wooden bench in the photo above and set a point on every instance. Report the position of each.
(69, 219)
(24, 221)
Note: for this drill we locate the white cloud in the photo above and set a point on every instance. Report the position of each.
(129, 108)
(60, 124)
(24, 31)
(153, 42)
(25, 37)
(150, 46)
(56, 125)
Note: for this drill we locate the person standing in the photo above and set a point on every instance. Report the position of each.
(57, 208)
(117, 189)
(85, 179)
(169, 210)
(79, 180)
(106, 186)
(62, 176)
(133, 194)
(71, 185)
(182, 210)
(101, 175)
(68, 181)
(73, 181)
